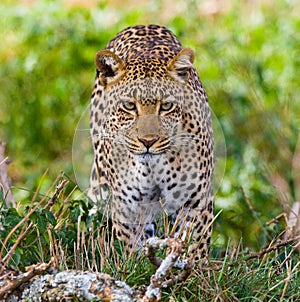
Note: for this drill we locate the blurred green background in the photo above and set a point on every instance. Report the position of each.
(248, 57)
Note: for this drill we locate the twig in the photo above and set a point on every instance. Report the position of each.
(35, 270)
(257, 255)
(176, 248)
(290, 254)
(271, 248)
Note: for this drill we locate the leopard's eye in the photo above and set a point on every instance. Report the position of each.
(131, 106)
(166, 106)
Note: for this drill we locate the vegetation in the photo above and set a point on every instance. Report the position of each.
(247, 55)
(57, 226)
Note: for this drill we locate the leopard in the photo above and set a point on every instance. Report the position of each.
(152, 137)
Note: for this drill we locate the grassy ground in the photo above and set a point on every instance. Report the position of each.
(57, 224)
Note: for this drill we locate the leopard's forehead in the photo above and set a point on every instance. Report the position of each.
(146, 68)
(147, 91)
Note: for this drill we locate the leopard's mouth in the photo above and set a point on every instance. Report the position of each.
(147, 146)
(147, 157)
(149, 152)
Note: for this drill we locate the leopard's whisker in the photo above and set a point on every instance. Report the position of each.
(185, 139)
(118, 139)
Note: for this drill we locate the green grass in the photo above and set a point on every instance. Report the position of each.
(60, 227)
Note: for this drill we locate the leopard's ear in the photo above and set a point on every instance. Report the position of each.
(109, 66)
(180, 66)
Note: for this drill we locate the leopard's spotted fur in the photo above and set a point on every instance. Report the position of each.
(152, 137)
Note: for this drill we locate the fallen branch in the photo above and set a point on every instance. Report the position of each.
(175, 249)
(11, 281)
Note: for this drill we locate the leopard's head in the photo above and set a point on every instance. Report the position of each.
(143, 101)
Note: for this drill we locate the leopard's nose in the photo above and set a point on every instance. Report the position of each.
(148, 142)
